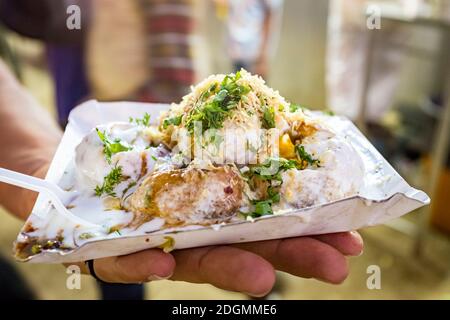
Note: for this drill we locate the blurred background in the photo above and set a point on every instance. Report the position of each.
(384, 64)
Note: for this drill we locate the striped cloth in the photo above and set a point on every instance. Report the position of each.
(169, 26)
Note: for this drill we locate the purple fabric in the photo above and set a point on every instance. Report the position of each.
(66, 63)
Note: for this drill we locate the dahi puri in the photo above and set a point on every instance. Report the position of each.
(232, 148)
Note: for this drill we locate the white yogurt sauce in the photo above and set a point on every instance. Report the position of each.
(339, 175)
(90, 167)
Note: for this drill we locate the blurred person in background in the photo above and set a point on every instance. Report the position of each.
(253, 29)
(140, 50)
(31, 137)
(144, 50)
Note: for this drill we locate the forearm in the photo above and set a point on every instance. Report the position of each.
(28, 140)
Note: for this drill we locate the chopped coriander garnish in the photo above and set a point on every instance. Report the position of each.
(110, 182)
(304, 156)
(144, 121)
(271, 169)
(172, 121)
(268, 120)
(212, 114)
(111, 147)
(273, 194)
(206, 94)
(154, 158)
(329, 112)
(262, 208)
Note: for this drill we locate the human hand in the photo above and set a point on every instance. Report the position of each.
(245, 267)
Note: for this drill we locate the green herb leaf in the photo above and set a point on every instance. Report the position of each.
(111, 147)
(270, 171)
(207, 93)
(110, 182)
(303, 155)
(262, 208)
(213, 113)
(221, 95)
(271, 168)
(175, 121)
(268, 120)
(273, 194)
(144, 121)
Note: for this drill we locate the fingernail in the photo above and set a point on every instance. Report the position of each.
(357, 236)
(155, 277)
(257, 295)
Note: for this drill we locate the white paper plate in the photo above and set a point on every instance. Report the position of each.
(385, 196)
